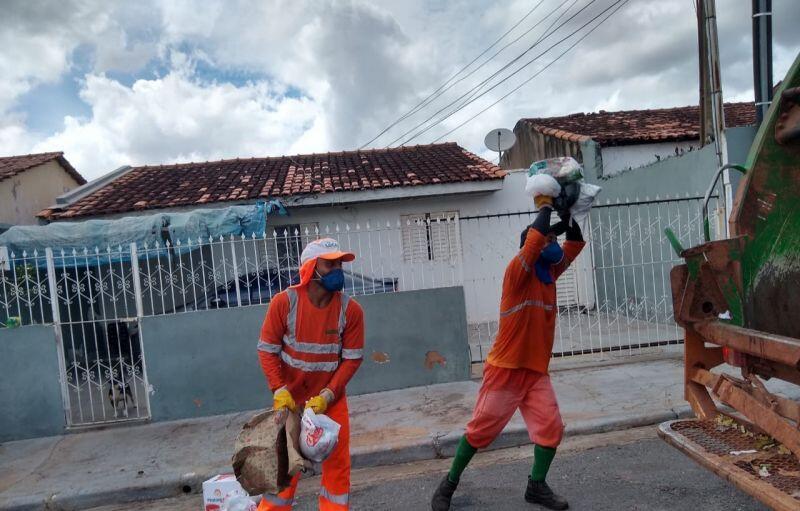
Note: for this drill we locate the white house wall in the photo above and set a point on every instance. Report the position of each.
(620, 158)
(487, 244)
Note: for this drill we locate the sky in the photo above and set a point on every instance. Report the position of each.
(151, 82)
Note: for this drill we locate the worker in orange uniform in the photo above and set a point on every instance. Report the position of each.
(515, 375)
(311, 344)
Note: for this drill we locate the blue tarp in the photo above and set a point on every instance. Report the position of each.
(145, 231)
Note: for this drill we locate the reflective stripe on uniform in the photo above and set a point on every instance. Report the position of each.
(342, 499)
(268, 347)
(527, 303)
(278, 501)
(311, 347)
(291, 320)
(290, 340)
(343, 314)
(309, 366)
(524, 263)
(352, 354)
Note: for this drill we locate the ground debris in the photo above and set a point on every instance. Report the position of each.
(724, 423)
(765, 442)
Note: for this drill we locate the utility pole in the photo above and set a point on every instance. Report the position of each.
(762, 57)
(712, 113)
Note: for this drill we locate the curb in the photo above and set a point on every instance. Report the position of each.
(433, 447)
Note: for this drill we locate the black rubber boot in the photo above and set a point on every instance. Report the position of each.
(540, 493)
(441, 498)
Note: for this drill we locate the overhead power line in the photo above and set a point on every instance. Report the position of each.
(551, 31)
(440, 120)
(439, 91)
(515, 89)
(477, 91)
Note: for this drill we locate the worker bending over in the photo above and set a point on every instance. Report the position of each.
(311, 345)
(515, 375)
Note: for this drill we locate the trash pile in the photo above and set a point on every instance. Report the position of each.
(574, 194)
(268, 454)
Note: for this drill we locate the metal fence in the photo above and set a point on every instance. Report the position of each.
(616, 297)
(221, 272)
(97, 297)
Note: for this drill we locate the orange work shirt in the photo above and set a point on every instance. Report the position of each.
(528, 308)
(306, 348)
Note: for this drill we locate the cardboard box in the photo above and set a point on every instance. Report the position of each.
(216, 489)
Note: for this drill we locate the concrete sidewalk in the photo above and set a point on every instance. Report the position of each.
(159, 460)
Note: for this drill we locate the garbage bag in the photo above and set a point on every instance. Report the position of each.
(542, 184)
(238, 502)
(587, 195)
(574, 196)
(564, 169)
(568, 197)
(319, 435)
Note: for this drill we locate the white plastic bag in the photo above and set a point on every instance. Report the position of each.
(580, 209)
(238, 502)
(319, 435)
(542, 184)
(565, 169)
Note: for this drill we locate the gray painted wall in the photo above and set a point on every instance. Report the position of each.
(205, 363)
(406, 326)
(690, 173)
(30, 394)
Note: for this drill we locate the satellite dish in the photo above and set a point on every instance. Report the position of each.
(500, 139)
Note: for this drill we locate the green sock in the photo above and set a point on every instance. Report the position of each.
(464, 454)
(542, 457)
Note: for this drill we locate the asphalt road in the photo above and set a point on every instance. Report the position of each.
(646, 475)
(630, 470)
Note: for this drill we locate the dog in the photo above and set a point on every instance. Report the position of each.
(118, 396)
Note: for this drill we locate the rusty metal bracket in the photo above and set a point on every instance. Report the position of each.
(775, 348)
(737, 394)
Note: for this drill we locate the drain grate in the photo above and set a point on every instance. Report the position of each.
(771, 463)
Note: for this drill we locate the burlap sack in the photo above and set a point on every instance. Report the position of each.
(267, 456)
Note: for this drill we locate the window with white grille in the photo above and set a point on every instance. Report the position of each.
(430, 237)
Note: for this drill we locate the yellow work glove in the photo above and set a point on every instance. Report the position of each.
(320, 403)
(541, 201)
(283, 400)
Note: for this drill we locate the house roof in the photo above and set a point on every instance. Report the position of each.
(638, 126)
(10, 166)
(197, 184)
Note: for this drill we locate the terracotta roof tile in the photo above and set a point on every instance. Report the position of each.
(10, 166)
(189, 184)
(638, 126)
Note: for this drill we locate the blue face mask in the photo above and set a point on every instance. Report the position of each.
(550, 255)
(333, 280)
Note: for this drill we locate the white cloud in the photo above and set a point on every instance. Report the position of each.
(178, 118)
(357, 66)
(38, 45)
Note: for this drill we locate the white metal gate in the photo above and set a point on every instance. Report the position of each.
(97, 320)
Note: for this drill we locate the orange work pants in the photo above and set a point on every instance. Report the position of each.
(502, 393)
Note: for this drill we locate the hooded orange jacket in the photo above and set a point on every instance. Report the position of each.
(528, 308)
(320, 355)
